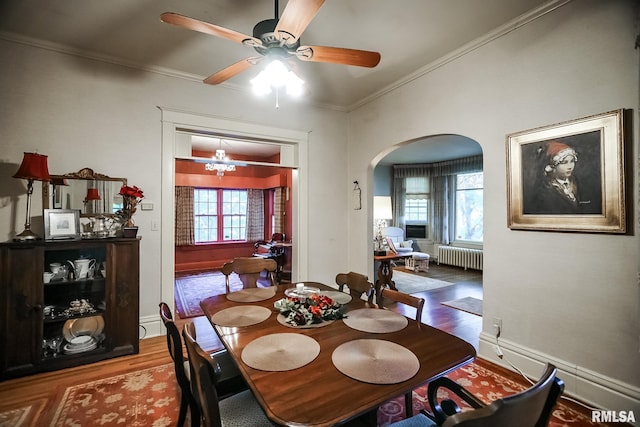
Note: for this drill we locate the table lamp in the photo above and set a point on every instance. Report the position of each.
(33, 168)
(381, 213)
(92, 195)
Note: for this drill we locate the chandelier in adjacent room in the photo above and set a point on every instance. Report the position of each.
(220, 168)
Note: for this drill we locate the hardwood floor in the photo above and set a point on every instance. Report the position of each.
(466, 283)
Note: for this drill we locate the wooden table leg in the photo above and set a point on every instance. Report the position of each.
(385, 274)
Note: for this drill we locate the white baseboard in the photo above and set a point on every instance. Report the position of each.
(151, 326)
(591, 387)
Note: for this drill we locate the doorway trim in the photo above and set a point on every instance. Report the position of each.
(176, 120)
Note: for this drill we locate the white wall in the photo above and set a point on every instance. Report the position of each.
(84, 113)
(571, 298)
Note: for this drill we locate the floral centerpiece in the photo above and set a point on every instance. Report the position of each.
(131, 197)
(310, 310)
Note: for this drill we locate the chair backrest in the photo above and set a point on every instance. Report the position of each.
(357, 283)
(395, 233)
(530, 408)
(278, 237)
(174, 344)
(205, 372)
(183, 374)
(397, 296)
(249, 269)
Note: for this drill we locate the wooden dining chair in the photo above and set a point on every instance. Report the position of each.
(357, 283)
(181, 367)
(397, 296)
(529, 408)
(250, 271)
(418, 304)
(240, 409)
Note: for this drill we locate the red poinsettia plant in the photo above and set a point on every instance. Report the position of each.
(131, 197)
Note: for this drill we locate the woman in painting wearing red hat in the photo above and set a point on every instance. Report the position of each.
(559, 192)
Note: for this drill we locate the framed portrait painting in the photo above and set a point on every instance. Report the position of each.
(568, 176)
(61, 224)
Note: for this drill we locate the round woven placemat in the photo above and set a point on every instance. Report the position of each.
(375, 361)
(375, 320)
(280, 352)
(252, 294)
(242, 315)
(337, 296)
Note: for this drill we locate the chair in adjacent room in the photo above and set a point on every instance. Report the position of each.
(396, 235)
(530, 408)
(240, 409)
(418, 304)
(272, 250)
(181, 367)
(251, 271)
(357, 283)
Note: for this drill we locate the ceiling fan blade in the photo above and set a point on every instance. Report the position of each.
(295, 18)
(207, 28)
(232, 70)
(338, 55)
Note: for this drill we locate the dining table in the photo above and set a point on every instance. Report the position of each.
(338, 370)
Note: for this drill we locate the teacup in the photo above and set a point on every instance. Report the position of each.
(47, 276)
(55, 267)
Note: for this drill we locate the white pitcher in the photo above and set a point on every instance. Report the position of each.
(81, 267)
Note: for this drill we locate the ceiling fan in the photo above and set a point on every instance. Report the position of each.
(277, 38)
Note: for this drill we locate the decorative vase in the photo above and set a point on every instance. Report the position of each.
(130, 231)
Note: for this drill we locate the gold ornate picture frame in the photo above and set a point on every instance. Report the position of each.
(568, 176)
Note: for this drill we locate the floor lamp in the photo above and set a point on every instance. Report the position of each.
(33, 168)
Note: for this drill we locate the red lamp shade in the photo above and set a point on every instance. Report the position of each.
(34, 167)
(92, 194)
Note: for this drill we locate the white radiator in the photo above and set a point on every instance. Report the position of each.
(460, 257)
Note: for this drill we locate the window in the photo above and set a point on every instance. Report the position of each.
(416, 203)
(220, 215)
(468, 204)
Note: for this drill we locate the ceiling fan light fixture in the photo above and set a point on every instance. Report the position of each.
(277, 75)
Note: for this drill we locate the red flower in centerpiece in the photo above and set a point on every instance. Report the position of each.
(309, 310)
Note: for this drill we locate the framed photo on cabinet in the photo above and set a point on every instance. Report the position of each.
(61, 224)
(568, 176)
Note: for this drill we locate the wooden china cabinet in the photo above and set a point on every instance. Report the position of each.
(75, 317)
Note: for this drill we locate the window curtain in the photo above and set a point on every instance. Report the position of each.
(255, 215)
(184, 216)
(441, 175)
(278, 210)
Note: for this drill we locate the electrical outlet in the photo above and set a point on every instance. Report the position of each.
(497, 326)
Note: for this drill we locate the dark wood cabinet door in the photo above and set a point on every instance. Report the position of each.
(123, 303)
(21, 309)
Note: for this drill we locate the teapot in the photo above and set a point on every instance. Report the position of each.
(83, 267)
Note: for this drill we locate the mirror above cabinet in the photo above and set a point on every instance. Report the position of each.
(94, 194)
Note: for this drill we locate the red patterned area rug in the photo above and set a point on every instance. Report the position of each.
(26, 415)
(192, 289)
(488, 385)
(149, 397)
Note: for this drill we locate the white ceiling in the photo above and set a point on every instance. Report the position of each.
(411, 36)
